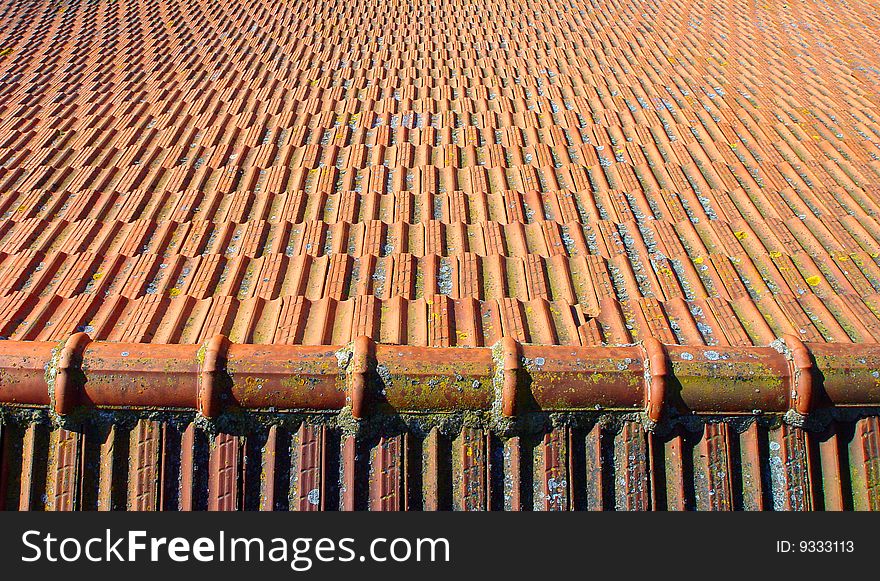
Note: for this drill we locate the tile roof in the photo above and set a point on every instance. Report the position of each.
(439, 175)
(155, 464)
(246, 204)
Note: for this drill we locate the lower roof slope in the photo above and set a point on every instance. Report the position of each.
(173, 464)
(312, 206)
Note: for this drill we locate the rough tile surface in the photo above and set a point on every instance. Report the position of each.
(454, 173)
(440, 173)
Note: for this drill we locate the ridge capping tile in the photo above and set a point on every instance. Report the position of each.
(66, 389)
(214, 354)
(657, 371)
(803, 376)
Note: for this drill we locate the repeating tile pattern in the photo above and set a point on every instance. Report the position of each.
(713, 466)
(440, 173)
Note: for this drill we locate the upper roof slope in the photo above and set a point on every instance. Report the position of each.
(440, 173)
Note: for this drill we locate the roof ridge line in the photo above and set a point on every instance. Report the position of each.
(788, 376)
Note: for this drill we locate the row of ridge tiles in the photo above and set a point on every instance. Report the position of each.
(573, 173)
(155, 465)
(509, 379)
